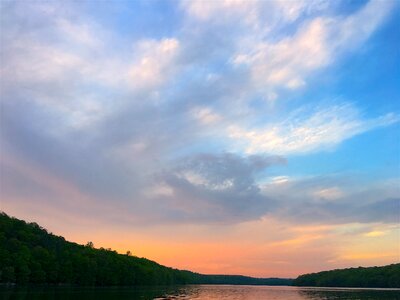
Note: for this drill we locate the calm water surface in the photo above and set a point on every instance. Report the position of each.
(218, 292)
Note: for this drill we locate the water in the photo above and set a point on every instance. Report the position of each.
(201, 292)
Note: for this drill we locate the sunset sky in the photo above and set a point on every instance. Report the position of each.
(224, 137)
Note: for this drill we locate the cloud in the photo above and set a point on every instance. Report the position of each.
(358, 27)
(67, 63)
(335, 200)
(255, 14)
(218, 188)
(287, 62)
(205, 115)
(320, 130)
(156, 60)
(331, 193)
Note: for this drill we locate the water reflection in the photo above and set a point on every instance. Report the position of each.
(200, 292)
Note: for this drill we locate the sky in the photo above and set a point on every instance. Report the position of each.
(224, 137)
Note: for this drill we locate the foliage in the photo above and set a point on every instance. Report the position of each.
(31, 255)
(382, 277)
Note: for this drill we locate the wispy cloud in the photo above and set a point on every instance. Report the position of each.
(303, 133)
(288, 61)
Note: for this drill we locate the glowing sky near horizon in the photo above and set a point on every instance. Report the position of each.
(225, 137)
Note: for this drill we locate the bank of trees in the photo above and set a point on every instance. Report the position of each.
(382, 277)
(31, 255)
(239, 280)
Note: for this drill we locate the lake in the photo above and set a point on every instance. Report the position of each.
(231, 292)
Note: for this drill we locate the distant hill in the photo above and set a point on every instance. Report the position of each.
(31, 255)
(379, 277)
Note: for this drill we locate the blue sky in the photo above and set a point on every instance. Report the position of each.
(210, 114)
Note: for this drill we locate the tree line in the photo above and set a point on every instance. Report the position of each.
(379, 277)
(31, 255)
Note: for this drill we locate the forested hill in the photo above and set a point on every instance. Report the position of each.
(379, 277)
(31, 255)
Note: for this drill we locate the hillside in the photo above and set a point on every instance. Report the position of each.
(31, 255)
(379, 277)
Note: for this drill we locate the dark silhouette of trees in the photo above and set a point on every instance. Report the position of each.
(31, 255)
(382, 277)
